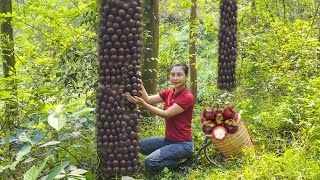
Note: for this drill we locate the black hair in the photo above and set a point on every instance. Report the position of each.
(183, 66)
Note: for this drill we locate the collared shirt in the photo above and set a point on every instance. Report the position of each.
(178, 127)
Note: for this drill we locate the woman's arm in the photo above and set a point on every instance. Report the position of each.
(150, 99)
(171, 111)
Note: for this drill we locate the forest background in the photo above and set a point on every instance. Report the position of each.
(47, 117)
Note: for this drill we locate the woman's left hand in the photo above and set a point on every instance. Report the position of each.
(136, 100)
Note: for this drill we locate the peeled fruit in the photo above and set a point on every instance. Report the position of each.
(219, 132)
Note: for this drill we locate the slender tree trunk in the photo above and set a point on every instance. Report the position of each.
(192, 48)
(284, 9)
(7, 54)
(318, 22)
(253, 12)
(319, 41)
(151, 46)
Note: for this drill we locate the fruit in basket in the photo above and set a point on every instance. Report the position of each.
(219, 132)
(228, 113)
(202, 120)
(237, 119)
(231, 129)
(208, 114)
(207, 129)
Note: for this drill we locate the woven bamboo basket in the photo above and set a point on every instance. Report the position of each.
(233, 144)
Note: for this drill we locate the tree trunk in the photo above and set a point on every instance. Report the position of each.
(151, 45)
(7, 54)
(192, 49)
(253, 13)
(318, 22)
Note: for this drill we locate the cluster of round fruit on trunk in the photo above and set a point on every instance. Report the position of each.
(227, 45)
(219, 122)
(117, 119)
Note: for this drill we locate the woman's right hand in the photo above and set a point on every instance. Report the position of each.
(135, 99)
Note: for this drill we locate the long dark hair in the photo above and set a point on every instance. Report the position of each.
(183, 66)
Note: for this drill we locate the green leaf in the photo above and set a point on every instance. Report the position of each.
(23, 137)
(85, 110)
(29, 160)
(14, 164)
(50, 143)
(5, 95)
(7, 139)
(43, 164)
(32, 173)
(90, 175)
(78, 171)
(314, 138)
(55, 172)
(57, 121)
(23, 151)
(2, 168)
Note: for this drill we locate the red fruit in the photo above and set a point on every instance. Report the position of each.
(208, 114)
(206, 129)
(228, 113)
(231, 129)
(203, 120)
(237, 119)
(219, 132)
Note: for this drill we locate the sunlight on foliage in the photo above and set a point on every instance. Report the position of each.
(277, 92)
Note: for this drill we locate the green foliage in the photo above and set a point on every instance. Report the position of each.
(277, 92)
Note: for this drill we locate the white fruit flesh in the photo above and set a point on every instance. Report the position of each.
(219, 133)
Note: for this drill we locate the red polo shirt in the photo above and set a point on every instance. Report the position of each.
(178, 127)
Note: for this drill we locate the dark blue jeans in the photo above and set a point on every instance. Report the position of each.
(163, 153)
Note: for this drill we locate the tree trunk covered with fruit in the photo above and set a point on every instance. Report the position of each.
(120, 46)
(227, 45)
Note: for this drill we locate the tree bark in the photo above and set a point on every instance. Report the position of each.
(7, 46)
(253, 13)
(7, 54)
(151, 46)
(192, 49)
(318, 22)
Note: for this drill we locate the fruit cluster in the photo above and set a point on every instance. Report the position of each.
(219, 122)
(227, 45)
(117, 119)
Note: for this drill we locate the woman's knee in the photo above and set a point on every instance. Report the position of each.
(152, 164)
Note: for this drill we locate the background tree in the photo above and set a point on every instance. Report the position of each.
(317, 2)
(56, 63)
(151, 45)
(192, 48)
(7, 54)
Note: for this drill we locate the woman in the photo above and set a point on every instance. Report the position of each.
(177, 145)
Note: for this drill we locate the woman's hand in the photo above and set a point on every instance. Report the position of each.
(136, 100)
